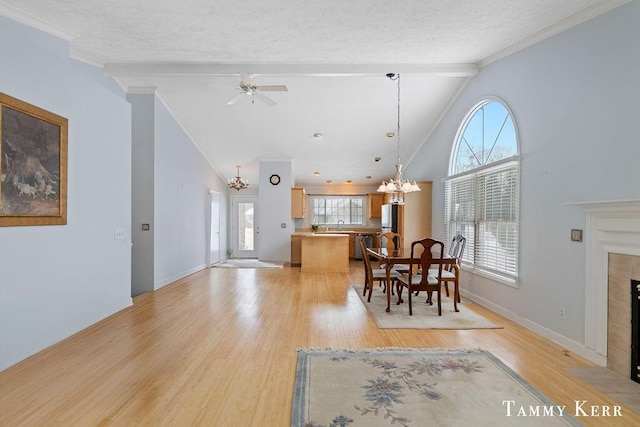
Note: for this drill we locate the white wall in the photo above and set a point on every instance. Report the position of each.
(57, 280)
(574, 98)
(142, 185)
(274, 206)
(182, 179)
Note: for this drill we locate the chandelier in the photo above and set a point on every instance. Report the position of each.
(397, 186)
(238, 183)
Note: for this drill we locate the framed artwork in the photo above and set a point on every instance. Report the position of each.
(33, 165)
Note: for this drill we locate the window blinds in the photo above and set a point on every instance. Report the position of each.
(484, 207)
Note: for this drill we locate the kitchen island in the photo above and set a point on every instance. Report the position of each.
(324, 252)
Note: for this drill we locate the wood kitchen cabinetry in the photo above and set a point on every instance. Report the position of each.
(414, 217)
(296, 251)
(375, 204)
(325, 253)
(298, 201)
(352, 245)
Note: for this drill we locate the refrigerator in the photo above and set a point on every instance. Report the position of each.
(389, 219)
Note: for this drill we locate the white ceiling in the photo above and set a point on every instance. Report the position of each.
(332, 55)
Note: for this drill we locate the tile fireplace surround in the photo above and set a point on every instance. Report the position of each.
(622, 268)
(612, 239)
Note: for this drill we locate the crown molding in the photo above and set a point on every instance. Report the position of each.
(142, 90)
(570, 22)
(29, 20)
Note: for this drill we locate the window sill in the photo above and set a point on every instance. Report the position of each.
(513, 283)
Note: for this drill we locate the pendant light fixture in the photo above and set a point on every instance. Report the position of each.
(238, 183)
(397, 186)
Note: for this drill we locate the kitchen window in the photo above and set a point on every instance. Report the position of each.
(482, 190)
(331, 210)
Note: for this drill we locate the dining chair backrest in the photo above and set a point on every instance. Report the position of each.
(390, 240)
(456, 250)
(431, 249)
(365, 257)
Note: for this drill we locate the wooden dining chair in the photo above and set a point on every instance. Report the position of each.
(451, 273)
(392, 241)
(423, 280)
(371, 274)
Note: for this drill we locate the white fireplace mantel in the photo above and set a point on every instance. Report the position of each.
(611, 227)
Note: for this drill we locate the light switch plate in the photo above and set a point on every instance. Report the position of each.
(119, 233)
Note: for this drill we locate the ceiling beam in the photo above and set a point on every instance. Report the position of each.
(311, 70)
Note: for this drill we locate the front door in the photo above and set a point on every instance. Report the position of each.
(244, 230)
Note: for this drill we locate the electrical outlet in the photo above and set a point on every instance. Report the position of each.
(562, 313)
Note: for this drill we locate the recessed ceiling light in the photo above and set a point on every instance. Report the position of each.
(390, 134)
(349, 181)
(376, 159)
(368, 176)
(329, 181)
(317, 135)
(316, 173)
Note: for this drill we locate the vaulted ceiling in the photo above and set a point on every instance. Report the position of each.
(332, 55)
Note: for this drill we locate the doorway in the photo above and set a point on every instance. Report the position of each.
(214, 223)
(244, 229)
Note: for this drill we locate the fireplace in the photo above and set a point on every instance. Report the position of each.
(612, 230)
(622, 323)
(635, 330)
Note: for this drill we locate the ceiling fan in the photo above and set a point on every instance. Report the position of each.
(248, 88)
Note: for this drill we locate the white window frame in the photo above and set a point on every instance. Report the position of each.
(349, 218)
(470, 218)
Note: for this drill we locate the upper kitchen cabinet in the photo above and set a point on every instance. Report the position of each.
(298, 202)
(375, 204)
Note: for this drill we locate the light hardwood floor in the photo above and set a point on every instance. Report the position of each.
(218, 348)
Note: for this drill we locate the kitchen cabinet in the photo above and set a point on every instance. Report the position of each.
(352, 245)
(296, 251)
(375, 204)
(323, 253)
(298, 202)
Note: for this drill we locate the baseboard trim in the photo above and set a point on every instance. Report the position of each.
(168, 280)
(555, 337)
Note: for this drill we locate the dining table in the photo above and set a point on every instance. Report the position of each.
(403, 256)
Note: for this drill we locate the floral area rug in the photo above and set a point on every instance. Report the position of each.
(415, 387)
(424, 316)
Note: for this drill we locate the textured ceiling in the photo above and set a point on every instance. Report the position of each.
(332, 55)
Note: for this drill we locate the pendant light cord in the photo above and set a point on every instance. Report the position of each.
(398, 78)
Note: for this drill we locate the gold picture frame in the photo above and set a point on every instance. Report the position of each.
(33, 165)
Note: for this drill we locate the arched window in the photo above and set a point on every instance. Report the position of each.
(482, 190)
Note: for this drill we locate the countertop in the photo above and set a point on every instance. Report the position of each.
(321, 232)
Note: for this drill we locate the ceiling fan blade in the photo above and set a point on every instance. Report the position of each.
(273, 88)
(237, 98)
(264, 98)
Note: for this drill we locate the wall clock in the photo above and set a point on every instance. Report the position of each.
(274, 179)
